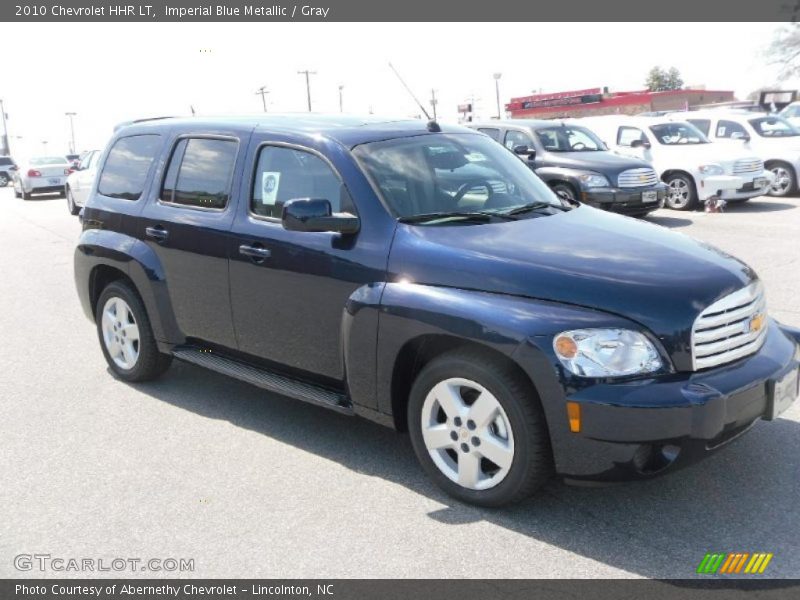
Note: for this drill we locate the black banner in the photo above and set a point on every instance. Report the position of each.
(388, 589)
(409, 10)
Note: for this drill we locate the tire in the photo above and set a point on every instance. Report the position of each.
(470, 383)
(566, 190)
(25, 195)
(681, 194)
(148, 363)
(4, 180)
(73, 208)
(17, 194)
(785, 183)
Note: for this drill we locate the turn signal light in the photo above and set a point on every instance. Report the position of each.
(574, 416)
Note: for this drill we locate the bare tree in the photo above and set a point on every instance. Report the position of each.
(784, 51)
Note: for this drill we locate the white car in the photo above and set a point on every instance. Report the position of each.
(792, 113)
(692, 167)
(41, 175)
(80, 181)
(770, 136)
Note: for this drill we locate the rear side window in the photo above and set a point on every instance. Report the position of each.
(127, 165)
(284, 174)
(491, 132)
(4, 160)
(200, 173)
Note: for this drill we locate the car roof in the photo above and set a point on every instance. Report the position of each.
(347, 130)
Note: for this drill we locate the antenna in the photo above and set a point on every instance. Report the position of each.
(408, 89)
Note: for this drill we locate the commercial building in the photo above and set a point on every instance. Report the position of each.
(599, 101)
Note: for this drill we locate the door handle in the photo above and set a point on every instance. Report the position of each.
(158, 233)
(256, 253)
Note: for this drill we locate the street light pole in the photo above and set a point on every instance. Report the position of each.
(263, 92)
(71, 130)
(6, 147)
(341, 102)
(497, 77)
(308, 85)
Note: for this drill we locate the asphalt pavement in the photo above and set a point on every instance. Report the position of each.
(248, 484)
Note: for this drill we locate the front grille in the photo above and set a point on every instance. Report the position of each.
(731, 328)
(637, 178)
(747, 165)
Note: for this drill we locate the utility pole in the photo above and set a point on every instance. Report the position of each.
(6, 147)
(341, 102)
(71, 130)
(308, 85)
(434, 102)
(263, 91)
(497, 77)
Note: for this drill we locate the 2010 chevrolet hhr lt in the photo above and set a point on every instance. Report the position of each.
(423, 277)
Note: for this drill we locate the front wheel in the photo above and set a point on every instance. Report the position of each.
(785, 181)
(74, 209)
(681, 194)
(565, 191)
(3, 180)
(125, 335)
(478, 429)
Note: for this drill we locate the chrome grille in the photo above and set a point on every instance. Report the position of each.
(637, 178)
(731, 328)
(747, 165)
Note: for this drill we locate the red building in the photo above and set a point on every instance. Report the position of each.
(599, 101)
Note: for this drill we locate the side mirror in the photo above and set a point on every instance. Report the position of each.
(315, 214)
(740, 136)
(640, 144)
(527, 151)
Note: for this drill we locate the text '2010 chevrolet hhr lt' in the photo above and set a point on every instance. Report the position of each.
(422, 276)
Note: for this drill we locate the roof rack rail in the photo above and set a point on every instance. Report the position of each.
(144, 120)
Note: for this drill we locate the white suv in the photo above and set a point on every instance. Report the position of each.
(692, 167)
(770, 136)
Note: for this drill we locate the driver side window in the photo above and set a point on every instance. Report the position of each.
(628, 135)
(730, 129)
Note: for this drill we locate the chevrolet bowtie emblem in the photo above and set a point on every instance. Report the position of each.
(756, 323)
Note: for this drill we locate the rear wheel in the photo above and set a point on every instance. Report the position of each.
(74, 209)
(25, 195)
(478, 430)
(3, 180)
(785, 182)
(126, 336)
(681, 193)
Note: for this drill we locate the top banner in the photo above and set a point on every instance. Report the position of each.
(408, 11)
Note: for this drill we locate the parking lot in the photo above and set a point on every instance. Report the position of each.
(248, 484)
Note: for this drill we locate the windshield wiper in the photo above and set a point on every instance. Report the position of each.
(475, 216)
(530, 208)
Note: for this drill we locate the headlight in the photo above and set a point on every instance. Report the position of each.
(590, 180)
(606, 352)
(711, 170)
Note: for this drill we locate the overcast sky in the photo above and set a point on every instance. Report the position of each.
(113, 72)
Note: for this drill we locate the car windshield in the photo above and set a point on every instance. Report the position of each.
(678, 133)
(569, 139)
(773, 127)
(48, 160)
(455, 175)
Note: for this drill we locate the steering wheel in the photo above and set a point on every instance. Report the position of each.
(469, 185)
(578, 146)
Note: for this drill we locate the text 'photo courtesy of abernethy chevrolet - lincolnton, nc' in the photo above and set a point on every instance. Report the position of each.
(483, 297)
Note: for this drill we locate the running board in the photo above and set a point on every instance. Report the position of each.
(268, 380)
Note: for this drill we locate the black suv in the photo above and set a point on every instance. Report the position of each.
(423, 277)
(7, 169)
(579, 166)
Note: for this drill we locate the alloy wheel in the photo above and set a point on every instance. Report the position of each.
(678, 194)
(467, 433)
(3, 181)
(782, 183)
(120, 333)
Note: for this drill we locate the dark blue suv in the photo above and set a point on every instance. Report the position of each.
(423, 277)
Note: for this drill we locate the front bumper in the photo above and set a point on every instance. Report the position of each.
(755, 186)
(639, 429)
(624, 200)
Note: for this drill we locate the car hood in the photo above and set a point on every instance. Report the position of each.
(602, 162)
(586, 257)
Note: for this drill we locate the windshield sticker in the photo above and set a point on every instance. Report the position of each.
(270, 180)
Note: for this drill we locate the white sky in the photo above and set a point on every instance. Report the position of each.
(111, 72)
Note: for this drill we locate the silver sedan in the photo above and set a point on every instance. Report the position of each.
(41, 175)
